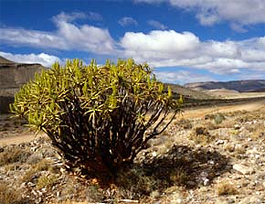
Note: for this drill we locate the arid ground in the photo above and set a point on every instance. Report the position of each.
(211, 155)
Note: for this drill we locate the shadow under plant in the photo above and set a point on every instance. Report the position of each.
(180, 166)
(149, 177)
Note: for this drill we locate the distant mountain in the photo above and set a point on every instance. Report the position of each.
(12, 76)
(240, 86)
(187, 92)
(5, 61)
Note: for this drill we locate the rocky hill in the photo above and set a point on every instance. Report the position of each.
(12, 76)
(240, 86)
(188, 93)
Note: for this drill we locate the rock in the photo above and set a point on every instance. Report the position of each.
(177, 198)
(220, 201)
(250, 200)
(237, 126)
(218, 142)
(246, 170)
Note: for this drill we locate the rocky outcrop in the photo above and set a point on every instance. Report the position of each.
(12, 77)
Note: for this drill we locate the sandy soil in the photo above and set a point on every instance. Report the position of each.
(16, 137)
(202, 111)
(230, 94)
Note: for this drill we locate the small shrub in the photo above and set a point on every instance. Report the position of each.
(12, 167)
(184, 123)
(43, 165)
(226, 188)
(98, 118)
(13, 154)
(9, 195)
(201, 131)
(136, 182)
(30, 175)
(179, 176)
(95, 194)
(46, 181)
(35, 171)
(219, 118)
(35, 158)
(200, 135)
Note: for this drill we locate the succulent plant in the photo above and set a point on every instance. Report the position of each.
(98, 117)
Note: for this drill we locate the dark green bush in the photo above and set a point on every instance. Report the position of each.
(98, 118)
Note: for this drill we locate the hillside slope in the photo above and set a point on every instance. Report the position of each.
(188, 93)
(240, 86)
(12, 76)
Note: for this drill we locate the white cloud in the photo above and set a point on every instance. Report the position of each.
(69, 17)
(238, 28)
(171, 49)
(43, 59)
(181, 76)
(227, 49)
(68, 36)
(126, 21)
(209, 12)
(32, 38)
(94, 16)
(208, 18)
(163, 42)
(160, 48)
(157, 25)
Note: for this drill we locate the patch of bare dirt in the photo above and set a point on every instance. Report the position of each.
(202, 111)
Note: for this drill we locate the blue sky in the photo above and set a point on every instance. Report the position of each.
(183, 40)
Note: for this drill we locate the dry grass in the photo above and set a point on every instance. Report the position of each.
(186, 124)
(35, 170)
(43, 165)
(218, 118)
(71, 202)
(200, 135)
(46, 181)
(134, 183)
(9, 195)
(258, 133)
(179, 177)
(13, 154)
(226, 188)
(30, 175)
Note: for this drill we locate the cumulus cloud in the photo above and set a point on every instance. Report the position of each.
(68, 36)
(181, 76)
(43, 59)
(160, 48)
(163, 42)
(157, 25)
(126, 21)
(238, 12)
(171, 49)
